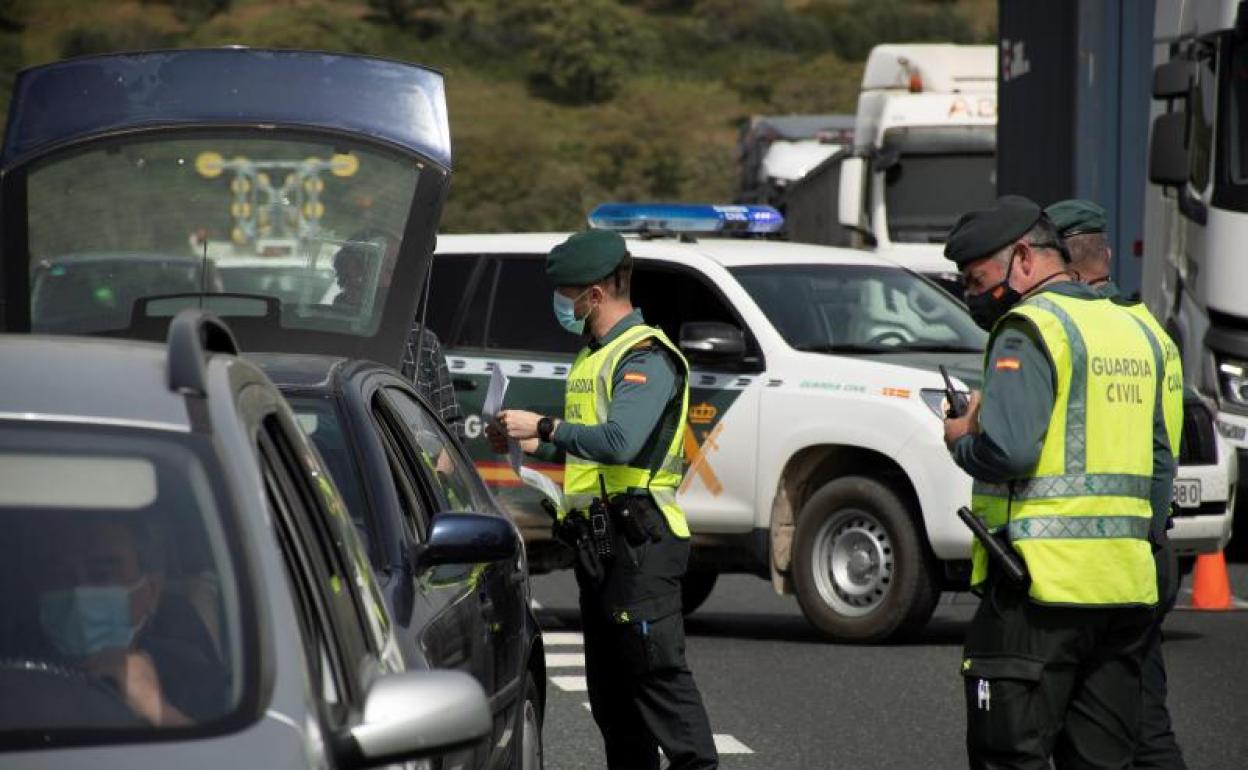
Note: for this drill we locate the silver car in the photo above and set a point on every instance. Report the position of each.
(179, 581)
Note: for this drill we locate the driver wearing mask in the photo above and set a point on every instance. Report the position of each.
(100, 610)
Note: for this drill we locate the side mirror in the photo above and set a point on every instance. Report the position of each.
(1173, 79)
(414, 714)
(1167, 155)
(468, 538)
(712, 340)
(849, 204)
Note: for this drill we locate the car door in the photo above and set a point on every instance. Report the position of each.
(721, 440)
(457, 487)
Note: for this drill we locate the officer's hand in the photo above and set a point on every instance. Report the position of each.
(957, 427)
(518, 424)
(497, 439)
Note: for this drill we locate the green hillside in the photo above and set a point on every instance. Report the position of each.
(555, 104)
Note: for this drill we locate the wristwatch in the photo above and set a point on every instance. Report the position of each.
(545, 427)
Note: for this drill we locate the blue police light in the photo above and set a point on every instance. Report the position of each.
(685, 218)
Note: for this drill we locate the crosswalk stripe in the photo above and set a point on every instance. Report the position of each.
(565, 660)
(562, 639)
(726, 744)
(570, 683)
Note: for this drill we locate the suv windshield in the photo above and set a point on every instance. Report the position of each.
(313, 225)
(860, 308)
(121, 604)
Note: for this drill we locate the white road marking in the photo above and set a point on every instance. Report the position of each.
(588, 707)
(726, 744)
(563, 639)
(570, 683)
(565, 660)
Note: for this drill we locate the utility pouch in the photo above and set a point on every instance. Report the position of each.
(631, 516)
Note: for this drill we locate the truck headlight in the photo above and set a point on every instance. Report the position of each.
(1233, 379)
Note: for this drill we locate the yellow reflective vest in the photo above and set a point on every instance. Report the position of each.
(587, 402)
(1172, 388)
(1080, 519)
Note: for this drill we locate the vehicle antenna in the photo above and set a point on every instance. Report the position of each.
(203, 275)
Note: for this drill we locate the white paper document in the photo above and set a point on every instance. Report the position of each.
(495, 395)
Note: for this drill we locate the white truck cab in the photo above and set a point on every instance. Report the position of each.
(815, 445)
(924, 150)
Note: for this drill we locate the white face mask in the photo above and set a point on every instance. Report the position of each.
(565, 312)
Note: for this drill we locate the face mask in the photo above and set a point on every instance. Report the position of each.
(987, 307)
(82, 621)
(565, 312)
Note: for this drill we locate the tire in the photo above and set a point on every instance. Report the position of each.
(862, 571)
(529, 728)
(695, 589)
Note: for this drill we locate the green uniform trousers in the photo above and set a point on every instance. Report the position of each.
(641, 691)
(1060, 683)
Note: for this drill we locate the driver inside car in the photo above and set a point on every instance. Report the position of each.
(100, 609)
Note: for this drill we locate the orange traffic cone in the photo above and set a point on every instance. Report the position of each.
(1211, 586)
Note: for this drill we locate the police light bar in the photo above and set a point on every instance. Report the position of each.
(685, 218)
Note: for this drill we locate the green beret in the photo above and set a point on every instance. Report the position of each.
(585, 258)
(982, 233)
(1076, 216)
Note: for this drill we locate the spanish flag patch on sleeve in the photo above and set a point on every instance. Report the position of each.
(1007, 363)
(636, 377)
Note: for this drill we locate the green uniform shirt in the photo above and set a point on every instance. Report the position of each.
(628, 437)
(1018, 401)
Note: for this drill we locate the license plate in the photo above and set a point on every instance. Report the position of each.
(1187, 493)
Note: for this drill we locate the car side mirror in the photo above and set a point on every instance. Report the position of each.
(1173, 79)
(468, 538)
(849, 202)
(1167, 155)
(415, 714)
(712, 340)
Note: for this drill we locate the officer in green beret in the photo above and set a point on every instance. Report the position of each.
(1081, 224)
(625, 410)
(1065, 447)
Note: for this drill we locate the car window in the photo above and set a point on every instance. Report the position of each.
(335, 577)
(454, 478)
(326, 666)
(520, 315)
(670, 297)
(322, 421)
(312, 224)
(857, 308)
(117, 556)
(454, 278)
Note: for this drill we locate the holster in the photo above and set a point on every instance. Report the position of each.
(634, 518)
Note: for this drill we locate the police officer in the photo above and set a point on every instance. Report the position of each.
(1081, 224)
(1061, 446)
(625, 408)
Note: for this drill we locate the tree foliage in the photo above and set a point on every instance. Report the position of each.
(582, 49)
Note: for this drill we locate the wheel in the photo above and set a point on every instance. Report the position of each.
(528, 755)
(695, 589)
(861, 570)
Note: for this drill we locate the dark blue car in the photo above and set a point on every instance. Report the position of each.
(296, 195)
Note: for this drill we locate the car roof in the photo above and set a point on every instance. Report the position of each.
(728, 252)
(72, 379)
(296, 370)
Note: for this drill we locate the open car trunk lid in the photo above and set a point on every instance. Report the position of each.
(296, 194)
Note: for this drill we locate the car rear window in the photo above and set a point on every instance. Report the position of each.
(123, 614)
(312, 224)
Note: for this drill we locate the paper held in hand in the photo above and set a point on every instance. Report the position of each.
(494, 398)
